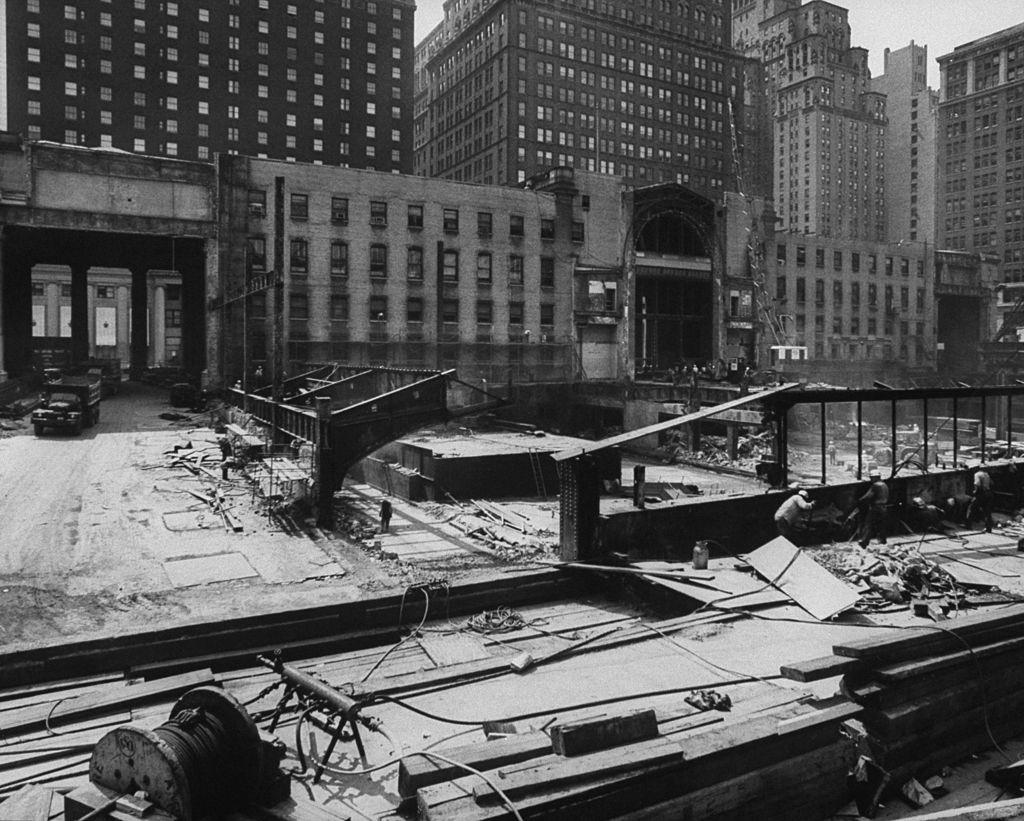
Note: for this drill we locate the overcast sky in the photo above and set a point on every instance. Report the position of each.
(941, 25)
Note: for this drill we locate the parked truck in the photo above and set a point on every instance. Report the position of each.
(73, 403)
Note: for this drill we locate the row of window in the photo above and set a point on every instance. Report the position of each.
(378, 216)
(855, 303)
(415, 309)
(781, 254)
(298, 262)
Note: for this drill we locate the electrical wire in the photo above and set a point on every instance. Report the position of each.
(566, 708)
(394, 647)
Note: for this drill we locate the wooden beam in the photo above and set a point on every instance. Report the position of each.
(819, 668)
(669, 424)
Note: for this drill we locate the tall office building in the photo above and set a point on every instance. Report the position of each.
(828, 124)
(642, 90)
(323, 81)
(981, 149)
(912, 109)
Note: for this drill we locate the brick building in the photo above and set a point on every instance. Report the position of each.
(320, 81)
(850, 303)
(912, 110)
(384, 268)
(828, 124)
(636, 90)
(981, 150)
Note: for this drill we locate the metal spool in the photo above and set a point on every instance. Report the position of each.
(204, 760)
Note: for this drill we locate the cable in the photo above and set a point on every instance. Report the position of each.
(49, 715)
(569, 707)
(390, 650)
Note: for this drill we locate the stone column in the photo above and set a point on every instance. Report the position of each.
(139, 333)
(124, 314)
(52, 309)
(81, 311)
(158, 349)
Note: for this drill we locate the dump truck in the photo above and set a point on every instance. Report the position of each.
(72, 403)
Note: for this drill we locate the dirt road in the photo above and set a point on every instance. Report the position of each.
(99, 534)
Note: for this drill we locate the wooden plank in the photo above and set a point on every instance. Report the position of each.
(743, 743)
(992, 811)
(30, 803)
(917, 641)
(911, 669)
(107, 698)
(820, 668)
(809, 584)
(600, 733)
(812, 785)
(697, 761)
(455, 649)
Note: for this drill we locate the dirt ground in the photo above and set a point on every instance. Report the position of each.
(100, 535)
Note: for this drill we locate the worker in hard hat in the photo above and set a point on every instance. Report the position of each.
(874, 502)
(790, 512)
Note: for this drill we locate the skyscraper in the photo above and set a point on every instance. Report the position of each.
(828, 124)
(911, 108)
(324, 81)
(981, 149)
(638, 90)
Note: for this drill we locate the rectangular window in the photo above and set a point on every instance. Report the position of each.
(801, 290)
(450, 266)
(516, 226)
(483, 267)
(378, 308)
(484, 312)
(451, 220)
(339, 258)
(515, 269)
(484, 224)
(298, 306)
(547, 315)
(414, 263)
(415, 216)
(298, 255)
(378, 260)
(257, 254)
(855, 262)
(299, 206)
(547, 229)
(414, 309)
(819, 257)
(837, 260)
(339, 306)
(378, 213)
(547, 272)
(515, 313)
(801, 255)
(578, 231)
(450, 311)
(339, 210)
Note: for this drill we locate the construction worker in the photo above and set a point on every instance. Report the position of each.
(385, 515)
(981, 504)
(874, 502)
(787, 517)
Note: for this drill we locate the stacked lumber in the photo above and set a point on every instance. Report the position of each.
(936, 694)
(789, 764)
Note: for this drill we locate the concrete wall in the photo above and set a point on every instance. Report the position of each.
(670, 529)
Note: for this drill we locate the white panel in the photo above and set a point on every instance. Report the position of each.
(38, 320)
(106, 326)
(65, 321)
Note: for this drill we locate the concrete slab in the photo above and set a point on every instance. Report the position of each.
(295, 561)
(192, 570)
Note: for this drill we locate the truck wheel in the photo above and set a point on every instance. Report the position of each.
(39, 429)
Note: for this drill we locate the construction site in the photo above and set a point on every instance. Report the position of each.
(208, 613)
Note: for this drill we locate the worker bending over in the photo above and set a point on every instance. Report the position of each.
(790, 511)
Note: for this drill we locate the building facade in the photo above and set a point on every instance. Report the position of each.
(981, 151)
(390, 269)
(912, 110)
(509, 88)
(319, 81)
(850, 302)
(828, 125)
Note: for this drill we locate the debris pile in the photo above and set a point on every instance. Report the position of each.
(888, 574)
(510, 534)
